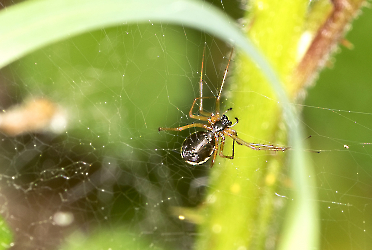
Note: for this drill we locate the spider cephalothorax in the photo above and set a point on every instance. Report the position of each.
(221, 124)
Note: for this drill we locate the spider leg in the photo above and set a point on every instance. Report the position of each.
(193, 125)
(255, 146)
(222, 144)
(204, 116)
(223, 82)
(271, 147)
(226, 111)
(236, 122)
(215, 150)
(201, 83)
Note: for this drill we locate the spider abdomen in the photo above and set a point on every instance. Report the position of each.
(198, 147)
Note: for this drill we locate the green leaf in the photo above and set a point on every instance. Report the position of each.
(6, 236)
(113, 238)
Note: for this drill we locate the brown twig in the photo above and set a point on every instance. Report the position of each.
(326, 41)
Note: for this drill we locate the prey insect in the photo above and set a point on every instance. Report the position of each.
(200, 146)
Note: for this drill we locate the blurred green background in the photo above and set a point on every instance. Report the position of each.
(338, 113)
(118, 85)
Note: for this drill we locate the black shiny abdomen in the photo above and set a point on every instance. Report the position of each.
(198, 147)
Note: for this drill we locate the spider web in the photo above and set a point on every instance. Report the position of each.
(110, 172)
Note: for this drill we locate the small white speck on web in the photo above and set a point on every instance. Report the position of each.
(63, 219)
(58, 123)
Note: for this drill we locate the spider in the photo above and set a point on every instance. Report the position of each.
(200, 146)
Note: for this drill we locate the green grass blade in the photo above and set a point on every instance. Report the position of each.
(51, 21)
